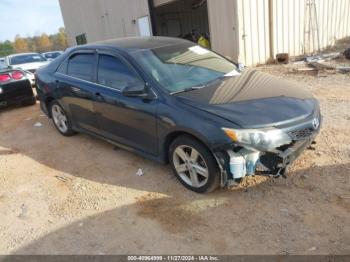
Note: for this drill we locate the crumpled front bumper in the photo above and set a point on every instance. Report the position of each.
(272, 163)
(275, 163)
(237, 161)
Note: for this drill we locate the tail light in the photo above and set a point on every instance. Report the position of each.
(17, 75)
(5, 77)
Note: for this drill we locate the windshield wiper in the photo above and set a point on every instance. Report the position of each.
(188, 89)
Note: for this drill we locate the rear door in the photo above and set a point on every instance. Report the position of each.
(75, 79)
(128, 120)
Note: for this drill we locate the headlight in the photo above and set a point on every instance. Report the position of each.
(261, 139)
(0, 90)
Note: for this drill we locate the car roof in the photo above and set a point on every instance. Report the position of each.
(23, 54)
(52, 52)
(135, 43)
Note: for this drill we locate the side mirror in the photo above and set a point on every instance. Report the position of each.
(136, 90)
(241, 67)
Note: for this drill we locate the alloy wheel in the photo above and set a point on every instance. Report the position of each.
(190, 166)
(60, 118)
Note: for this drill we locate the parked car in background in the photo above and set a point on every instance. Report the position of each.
(15, 87)
(28, 62)
(2, 62)
(173, 101)
(52, 55)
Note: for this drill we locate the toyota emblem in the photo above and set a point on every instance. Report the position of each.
(315, 123)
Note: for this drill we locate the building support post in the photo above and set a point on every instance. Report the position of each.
(271, 33)
(152, 17)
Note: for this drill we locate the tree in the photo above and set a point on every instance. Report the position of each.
(6, 48)
(20, 44)
(32, 43)
(62, 38)
(59, 40)
(39, 44)
(44, 43)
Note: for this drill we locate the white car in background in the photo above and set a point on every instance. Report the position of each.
(28, 62)
(52, 55)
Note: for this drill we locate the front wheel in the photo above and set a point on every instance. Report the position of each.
(194, 165)
(61, 120)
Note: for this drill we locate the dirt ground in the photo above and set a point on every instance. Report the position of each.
(79, 195)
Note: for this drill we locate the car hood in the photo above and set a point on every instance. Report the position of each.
(253, 100)
(30, 66)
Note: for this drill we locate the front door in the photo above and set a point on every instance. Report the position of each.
(127, 120)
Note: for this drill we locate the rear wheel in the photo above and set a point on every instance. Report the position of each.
(61, 120)
(194, 165)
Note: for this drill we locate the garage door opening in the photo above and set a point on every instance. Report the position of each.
(186, 19)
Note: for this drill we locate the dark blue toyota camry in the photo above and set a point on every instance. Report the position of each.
(175, 102)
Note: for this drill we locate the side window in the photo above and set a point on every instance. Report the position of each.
(63, 67)
(112, 72)
(81, 66)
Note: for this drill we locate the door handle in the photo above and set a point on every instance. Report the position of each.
(98, 96)
(76, 89)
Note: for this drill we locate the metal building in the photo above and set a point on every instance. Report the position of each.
(248, 31)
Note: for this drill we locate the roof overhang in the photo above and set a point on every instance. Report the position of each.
(158, 3)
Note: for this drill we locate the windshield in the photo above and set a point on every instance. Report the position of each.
(28, 58)
(184, 66)
(52, 55)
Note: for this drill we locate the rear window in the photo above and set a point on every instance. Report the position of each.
(28, 58)
(81, 66)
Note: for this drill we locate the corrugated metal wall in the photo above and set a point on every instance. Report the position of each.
(298, 27)
(103, 19)
(239, 28)
(253, 17)
(223, 24)
(306, 26)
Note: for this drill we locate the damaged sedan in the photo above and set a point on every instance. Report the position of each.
(173, 101)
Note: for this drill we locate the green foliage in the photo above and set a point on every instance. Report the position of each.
(43, 43)
(6, 48)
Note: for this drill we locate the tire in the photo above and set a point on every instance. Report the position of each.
(29, 101)
(188, 164)
(60, 119)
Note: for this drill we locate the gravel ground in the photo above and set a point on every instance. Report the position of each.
(79, 195)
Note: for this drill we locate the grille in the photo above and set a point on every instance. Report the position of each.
(301, 134)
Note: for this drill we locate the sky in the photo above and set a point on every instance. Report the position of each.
(29, 18)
